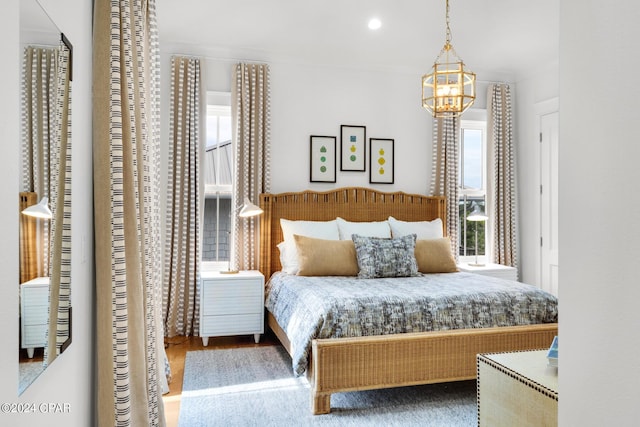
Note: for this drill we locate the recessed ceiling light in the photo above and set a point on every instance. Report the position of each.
(374, 24)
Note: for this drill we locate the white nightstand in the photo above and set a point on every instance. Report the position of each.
(34, 313)
(495, 270)
(231, 304)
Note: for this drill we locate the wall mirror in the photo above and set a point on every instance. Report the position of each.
(44, 199)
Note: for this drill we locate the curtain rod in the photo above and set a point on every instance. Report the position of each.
(212, 58)
(42, 46)
(255, 61)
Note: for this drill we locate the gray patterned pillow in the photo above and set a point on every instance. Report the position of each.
(380, 257)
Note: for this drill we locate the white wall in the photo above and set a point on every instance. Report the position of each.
(10, 131)
(69, 379)
(316, 100)
(599, 209)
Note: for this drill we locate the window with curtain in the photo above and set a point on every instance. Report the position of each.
(218, 183)
(472, 186)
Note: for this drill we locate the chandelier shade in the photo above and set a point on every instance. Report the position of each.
(450, 88)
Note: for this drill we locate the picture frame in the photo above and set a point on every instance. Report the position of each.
(353, 150)
(381, 161)
(322, 158)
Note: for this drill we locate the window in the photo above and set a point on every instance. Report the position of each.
(473, 187)
(218, 182)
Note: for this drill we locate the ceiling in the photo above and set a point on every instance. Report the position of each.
(498, 39)
(36, 26)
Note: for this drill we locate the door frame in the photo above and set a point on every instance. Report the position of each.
(540, 109)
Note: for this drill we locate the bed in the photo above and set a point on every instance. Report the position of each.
(390, 360)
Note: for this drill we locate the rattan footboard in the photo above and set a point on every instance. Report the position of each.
(349, 364)
(364, 363)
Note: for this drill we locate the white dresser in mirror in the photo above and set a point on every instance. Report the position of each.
(34, 314)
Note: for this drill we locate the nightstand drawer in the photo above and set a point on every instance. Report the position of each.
(231, 289)
(36, 316)
(36, 296)
(33, 335)
(237, 297)
(230, 305)
(232, 324)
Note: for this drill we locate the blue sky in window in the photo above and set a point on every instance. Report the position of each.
(472, 173)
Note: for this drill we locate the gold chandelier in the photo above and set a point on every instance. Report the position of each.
(449, 89)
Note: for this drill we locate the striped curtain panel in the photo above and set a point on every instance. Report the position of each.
(251, 112)
(127, 214)
(46, 168)
(444, 172)
(60, 279)
(501, 171)
(184, 201)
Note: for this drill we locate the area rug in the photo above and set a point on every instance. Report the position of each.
(28, 372)
(256, 387)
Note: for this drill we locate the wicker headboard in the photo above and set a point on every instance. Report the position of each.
(351, 203)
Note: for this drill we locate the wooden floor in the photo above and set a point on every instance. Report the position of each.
(177, 348)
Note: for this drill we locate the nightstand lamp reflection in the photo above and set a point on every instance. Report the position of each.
(39, 210)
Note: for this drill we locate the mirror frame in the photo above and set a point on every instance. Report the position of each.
(36, 25)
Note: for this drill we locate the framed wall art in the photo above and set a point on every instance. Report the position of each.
(353, 150)
(381, 161)
(322, 160)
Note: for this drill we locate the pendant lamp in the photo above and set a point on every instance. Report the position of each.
(450, 88)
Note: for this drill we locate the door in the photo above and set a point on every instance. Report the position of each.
(549, 201)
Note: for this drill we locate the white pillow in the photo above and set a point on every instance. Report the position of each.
(422, 229)
(327, 230)
(288, 264)
(368, 229)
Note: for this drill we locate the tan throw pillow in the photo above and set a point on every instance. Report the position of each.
(319, 257)
(434, 256)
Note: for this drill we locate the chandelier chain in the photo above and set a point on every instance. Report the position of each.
(448, 36)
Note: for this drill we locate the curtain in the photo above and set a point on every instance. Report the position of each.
(444, 172)
(126, 208)
(184, 201)
(501, 170)
(251, 111)
(46, 169)
(60, 278)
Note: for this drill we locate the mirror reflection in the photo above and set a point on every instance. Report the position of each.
(45, 193)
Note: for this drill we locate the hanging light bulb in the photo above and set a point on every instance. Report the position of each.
(449, 89)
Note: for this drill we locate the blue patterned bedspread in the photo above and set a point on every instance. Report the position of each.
(332, 307)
